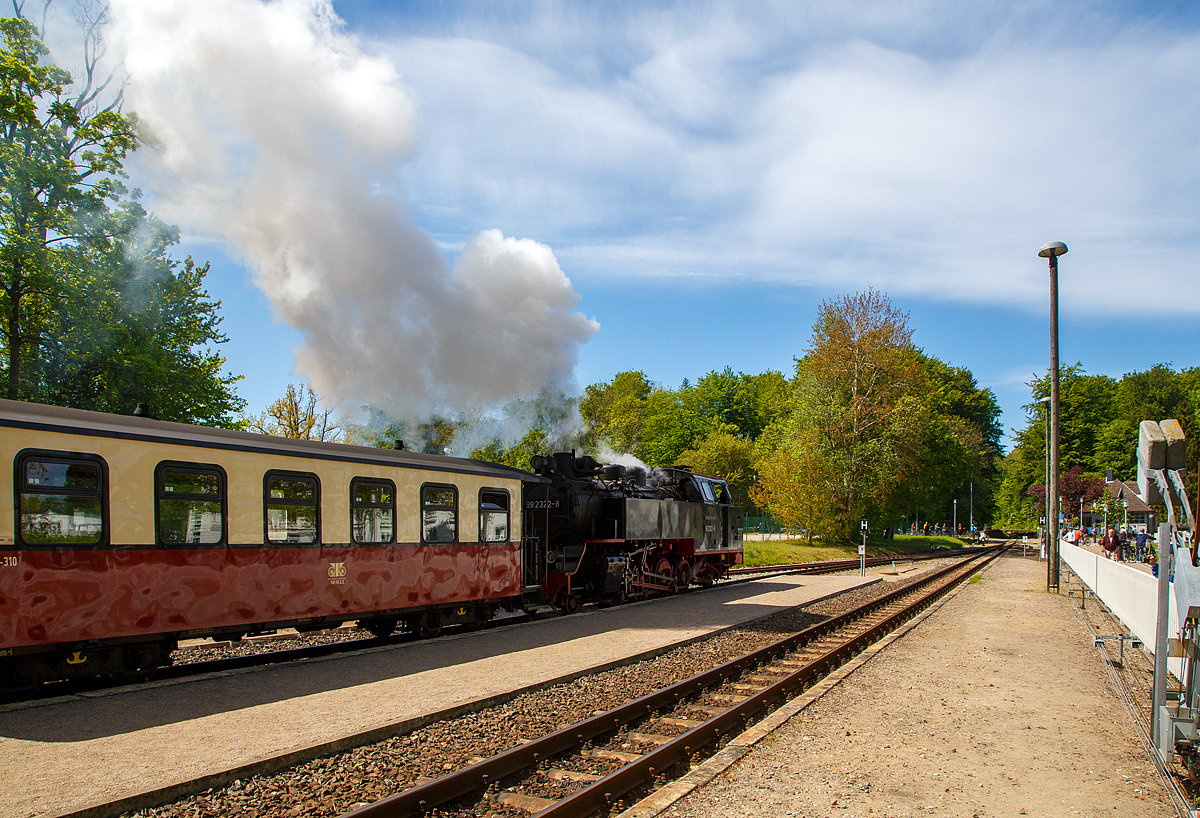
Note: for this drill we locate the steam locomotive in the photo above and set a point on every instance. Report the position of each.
(615, 533)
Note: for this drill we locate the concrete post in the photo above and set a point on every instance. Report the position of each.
(1160, 632)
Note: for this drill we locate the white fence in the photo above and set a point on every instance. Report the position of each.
(1131, 595)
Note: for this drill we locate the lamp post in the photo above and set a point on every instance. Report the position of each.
(1051, 251)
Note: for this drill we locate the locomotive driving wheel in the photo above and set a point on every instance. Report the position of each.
(665, 569)
(683, 575)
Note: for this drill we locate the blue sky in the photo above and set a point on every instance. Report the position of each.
(707, 173)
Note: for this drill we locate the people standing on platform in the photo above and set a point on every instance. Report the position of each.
(1110, 543)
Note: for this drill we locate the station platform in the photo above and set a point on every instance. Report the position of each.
(62, 756)
(996, 703)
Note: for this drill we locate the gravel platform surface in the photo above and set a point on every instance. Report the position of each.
(155, 735)
(996, 705)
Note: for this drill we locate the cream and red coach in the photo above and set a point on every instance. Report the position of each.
(126, 534)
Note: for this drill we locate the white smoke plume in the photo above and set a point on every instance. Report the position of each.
(271, 128)
(608, 454)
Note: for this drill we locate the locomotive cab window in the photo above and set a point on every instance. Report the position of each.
(61, 499)
(723, 495)
(439, 513)
(190, 503)
(372, 510)
(292, 503)
(493, 515)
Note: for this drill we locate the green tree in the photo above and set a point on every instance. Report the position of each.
(139, 327)
(301, 415)
(657, 425)
(1099, 428)
(671, 426)
(723, 454)
(60, 165)
(745, 403)
(791, 485)
(615, 411)
(954, 452)
(518, 455)
(855, 411)
(93, 311)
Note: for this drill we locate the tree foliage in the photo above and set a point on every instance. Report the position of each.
(658, 425)
(875, 429)
(723, 454)
(301, 415)
(93, 311)
(1099, 418)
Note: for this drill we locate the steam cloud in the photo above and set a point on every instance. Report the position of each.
(274, 131)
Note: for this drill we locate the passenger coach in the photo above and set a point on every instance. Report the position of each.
(126, 534)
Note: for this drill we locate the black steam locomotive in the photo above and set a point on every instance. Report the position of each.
(611, 533)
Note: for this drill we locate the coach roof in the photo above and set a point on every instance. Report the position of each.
(41, 417)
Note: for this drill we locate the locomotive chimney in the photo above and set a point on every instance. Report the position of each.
(564, 464)
(398, 445)
(142, 410)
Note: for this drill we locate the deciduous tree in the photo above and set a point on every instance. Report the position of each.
(299, 414)
(60, 165)
(93, 311)
(856, 403)
(723, 454)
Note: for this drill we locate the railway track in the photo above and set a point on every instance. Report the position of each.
(833, 566)
(294, 654)
(591, 766)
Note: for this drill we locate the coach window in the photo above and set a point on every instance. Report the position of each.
(493, 515)
(372, 510)
(292, 501)
(61, 499)
(191, 504)
(439, 513)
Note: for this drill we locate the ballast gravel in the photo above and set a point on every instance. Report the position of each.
(336, 784)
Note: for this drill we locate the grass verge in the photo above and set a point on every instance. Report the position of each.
(780, 552)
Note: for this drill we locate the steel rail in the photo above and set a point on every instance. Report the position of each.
(829, 566)
(482, 774)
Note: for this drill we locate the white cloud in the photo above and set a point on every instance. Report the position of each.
(841, 145)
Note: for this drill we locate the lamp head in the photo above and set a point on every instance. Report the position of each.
(1052, 248)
